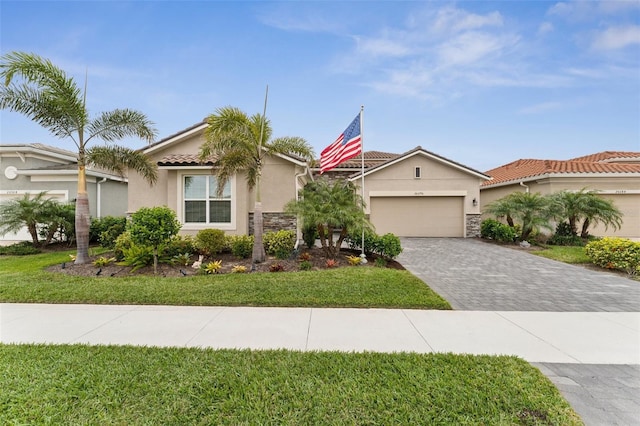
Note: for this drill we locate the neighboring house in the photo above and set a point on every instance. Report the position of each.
(33, 168)
(188, 187)
(417, 194)
(615, 175)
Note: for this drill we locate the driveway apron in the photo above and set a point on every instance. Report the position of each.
(478, 276)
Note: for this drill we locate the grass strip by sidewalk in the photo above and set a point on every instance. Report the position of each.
(77, 384)
(22, 280)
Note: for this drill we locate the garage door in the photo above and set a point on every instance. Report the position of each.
(629, 205)
(418, 216)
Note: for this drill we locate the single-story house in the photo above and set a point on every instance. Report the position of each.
(33, 168)
(417, 194)
(187, 186)
(614, 174)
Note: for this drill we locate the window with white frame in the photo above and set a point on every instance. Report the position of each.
(201, 202)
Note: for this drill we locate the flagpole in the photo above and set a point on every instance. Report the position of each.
(362, 255)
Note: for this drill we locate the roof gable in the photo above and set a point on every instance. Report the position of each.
(419, 151)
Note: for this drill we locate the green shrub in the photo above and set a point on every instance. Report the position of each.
(380, 262)
(123, 242)
(240, 245)
(310, 235)
(615, 253)
(498, 231)
(280, 244)
(564, 236)
(137, 256)
(387, 245)
(210, 242)
(306, 265)
(178, 245)
(23, 248)
(107, 229)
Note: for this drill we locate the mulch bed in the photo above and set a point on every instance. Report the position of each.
(318, 262)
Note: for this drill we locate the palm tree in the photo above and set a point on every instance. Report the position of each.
(239, 143)
(330, 206)
(29, 212)
(531, 210)
(49, 97)
(586, 206)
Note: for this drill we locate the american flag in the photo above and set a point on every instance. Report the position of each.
(347, 146)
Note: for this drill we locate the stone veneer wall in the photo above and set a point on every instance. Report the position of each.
(473, 225)
(275, 222)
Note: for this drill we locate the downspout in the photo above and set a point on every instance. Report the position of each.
(527, 188)
(298, 227)
(99, 198)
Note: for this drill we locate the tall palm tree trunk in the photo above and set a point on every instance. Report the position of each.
(258, 254)
(83, 218)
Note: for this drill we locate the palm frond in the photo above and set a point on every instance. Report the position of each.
(291, 145)
(43, 85)
(119, 159)
(120, 123)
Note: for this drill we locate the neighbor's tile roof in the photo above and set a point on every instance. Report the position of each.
(530, 168)
(610, 157)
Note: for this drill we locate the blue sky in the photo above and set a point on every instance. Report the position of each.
(481, 83)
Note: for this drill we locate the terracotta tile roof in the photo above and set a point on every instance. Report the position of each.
(610, 157)
(371, 159)
(530, 168)
(183, 160)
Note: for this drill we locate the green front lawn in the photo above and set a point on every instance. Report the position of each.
(78, 384)
(22, 280)
(566, 254)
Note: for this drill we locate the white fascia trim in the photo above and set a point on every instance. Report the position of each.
(560, 175)
(174, 139)
(459, 193)
(293, 160)
(92, 173)
(9, 149)
(404, 157)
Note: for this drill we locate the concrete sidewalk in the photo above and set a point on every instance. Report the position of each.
(540, 337)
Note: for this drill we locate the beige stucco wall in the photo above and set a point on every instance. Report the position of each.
(623, 191)
(278, 186)
(437, 179)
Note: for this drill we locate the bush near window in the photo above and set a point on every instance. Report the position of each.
(153, 226)
(210, 242)
(498, 231)
(179, 245)
(240, 245)
(280, 244)
(615, 253)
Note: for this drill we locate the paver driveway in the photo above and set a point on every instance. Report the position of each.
(480, 276)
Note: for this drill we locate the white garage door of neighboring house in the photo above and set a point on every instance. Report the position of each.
(629, 205)
(418, 216)
(23, 234)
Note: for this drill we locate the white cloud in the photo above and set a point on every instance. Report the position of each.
(383, 47)
(617, 37)
(545, 28)
(472, 46)
(453, 20)
(541, 108)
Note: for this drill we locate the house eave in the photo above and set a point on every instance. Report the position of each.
(539, 177)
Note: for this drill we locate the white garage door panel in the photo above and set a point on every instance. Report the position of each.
(418, 216)
(629, 205)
